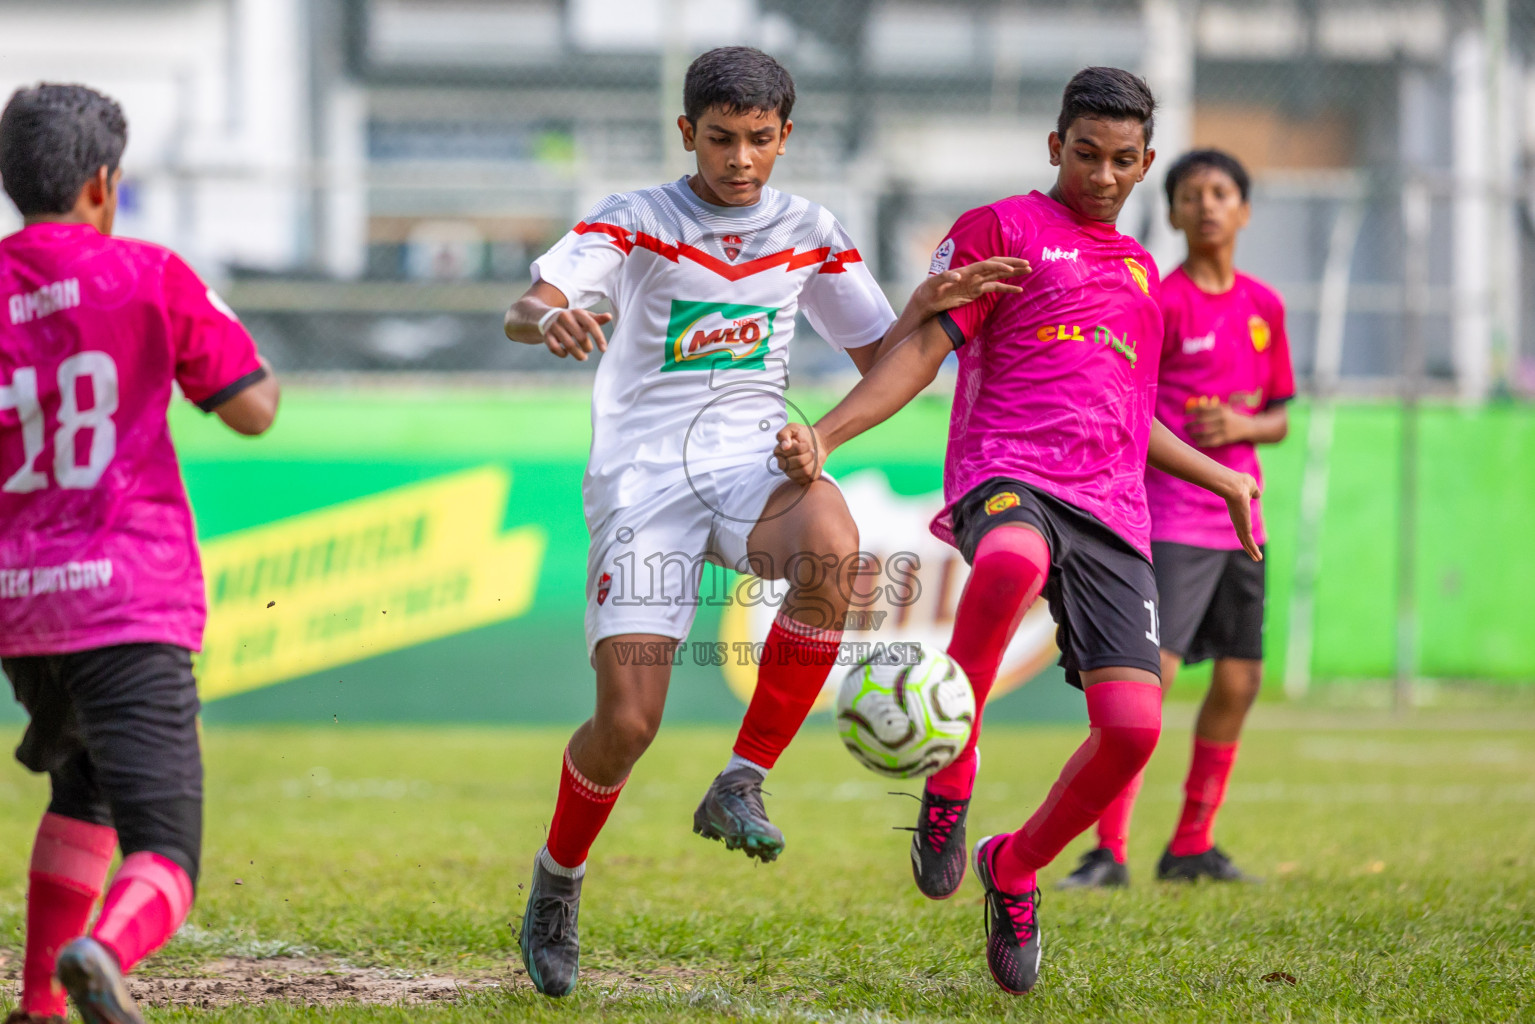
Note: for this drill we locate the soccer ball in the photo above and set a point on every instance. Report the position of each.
(905, 720)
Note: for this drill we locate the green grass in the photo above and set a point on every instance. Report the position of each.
(1400, 865)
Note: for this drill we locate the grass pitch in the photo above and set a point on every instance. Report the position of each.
(1399, 865)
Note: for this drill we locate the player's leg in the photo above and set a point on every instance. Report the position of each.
(1187, 578)
(632, 679)
(137, 706)
(1008, 571)
(75, 840)
(807, 538)
(1104, 866)
(1233, 632)
(1108, 624)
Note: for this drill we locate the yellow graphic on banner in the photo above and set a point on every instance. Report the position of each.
(362, 578)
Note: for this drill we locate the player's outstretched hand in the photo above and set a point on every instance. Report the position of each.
(800, 453)
(1214, 424)
(965, 284)
(575, 331)
(1239, 491)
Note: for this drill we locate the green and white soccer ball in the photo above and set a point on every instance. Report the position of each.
(906, 720)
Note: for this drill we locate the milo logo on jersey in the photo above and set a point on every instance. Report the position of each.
(709, 335)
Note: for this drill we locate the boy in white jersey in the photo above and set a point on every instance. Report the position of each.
(706, 275)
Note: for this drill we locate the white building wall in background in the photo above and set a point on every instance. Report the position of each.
(214, 92)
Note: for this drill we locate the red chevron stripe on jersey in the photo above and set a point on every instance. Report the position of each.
(789, 259)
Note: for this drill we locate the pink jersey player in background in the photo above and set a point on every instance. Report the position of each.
(1049, 440)
(101, 589)
(1224, 380)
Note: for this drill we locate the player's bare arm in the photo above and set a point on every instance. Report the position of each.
(1167, 453)
(543, 317)
(948, 290)
(1214, 425)
(884, 390)
(253, 409)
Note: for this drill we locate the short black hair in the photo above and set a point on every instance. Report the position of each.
(53, 139)
(737, 79)
(1195, 159)
(1106, 93)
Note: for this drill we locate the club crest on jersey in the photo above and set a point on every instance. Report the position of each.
(1138, 272)
(1002, 502)
(1258, 330)
(604, 584)
(705, 335)
(732, 244)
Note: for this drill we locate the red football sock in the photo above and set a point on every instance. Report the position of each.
(1125, 719)
(1009, 571)
(149, 898)
(1114, 822)
(579, 814)
(795, 663)
(1203, 793)
(69, 864)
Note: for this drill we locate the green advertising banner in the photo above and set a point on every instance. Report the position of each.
(413, 555)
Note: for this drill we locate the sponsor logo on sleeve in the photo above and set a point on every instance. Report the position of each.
(706, 335)
(942, 257)
(217, 302)
(1258, 330)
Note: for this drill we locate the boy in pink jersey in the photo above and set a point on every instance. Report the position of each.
(1049, 439)
(1224, 380)
(101, 591)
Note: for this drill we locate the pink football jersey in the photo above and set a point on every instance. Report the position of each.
(1056, 383)
(96, 539)
(1229, 348)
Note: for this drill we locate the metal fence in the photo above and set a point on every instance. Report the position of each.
(369, 179)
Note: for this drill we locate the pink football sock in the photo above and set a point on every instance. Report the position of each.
(1114, 822)
(1203, 793)
(795, 663)
(1010, 569)
(69, 864)
(1125, 719)
(149, 898)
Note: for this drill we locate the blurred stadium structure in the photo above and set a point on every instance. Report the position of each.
(370, 178)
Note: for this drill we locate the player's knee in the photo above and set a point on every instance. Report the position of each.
(1010, 561)
(631, 732)
(172, 828)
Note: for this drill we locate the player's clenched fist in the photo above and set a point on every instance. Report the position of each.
(573, 332)
(800, 453)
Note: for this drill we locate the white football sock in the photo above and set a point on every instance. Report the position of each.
(737, 761)
(554, 867)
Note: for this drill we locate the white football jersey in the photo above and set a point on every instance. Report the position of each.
(704, 299)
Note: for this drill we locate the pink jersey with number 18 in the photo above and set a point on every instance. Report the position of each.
(1056, 383)
(97, 546)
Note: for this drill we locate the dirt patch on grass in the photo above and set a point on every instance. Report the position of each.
(241, 981)
(310, 982)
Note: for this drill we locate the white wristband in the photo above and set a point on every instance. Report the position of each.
(548, 317)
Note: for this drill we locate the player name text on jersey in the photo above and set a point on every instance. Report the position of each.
(47, 300)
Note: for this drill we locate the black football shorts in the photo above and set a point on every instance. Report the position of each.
(115, 729)
(1212, 602)
(1102, 592)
